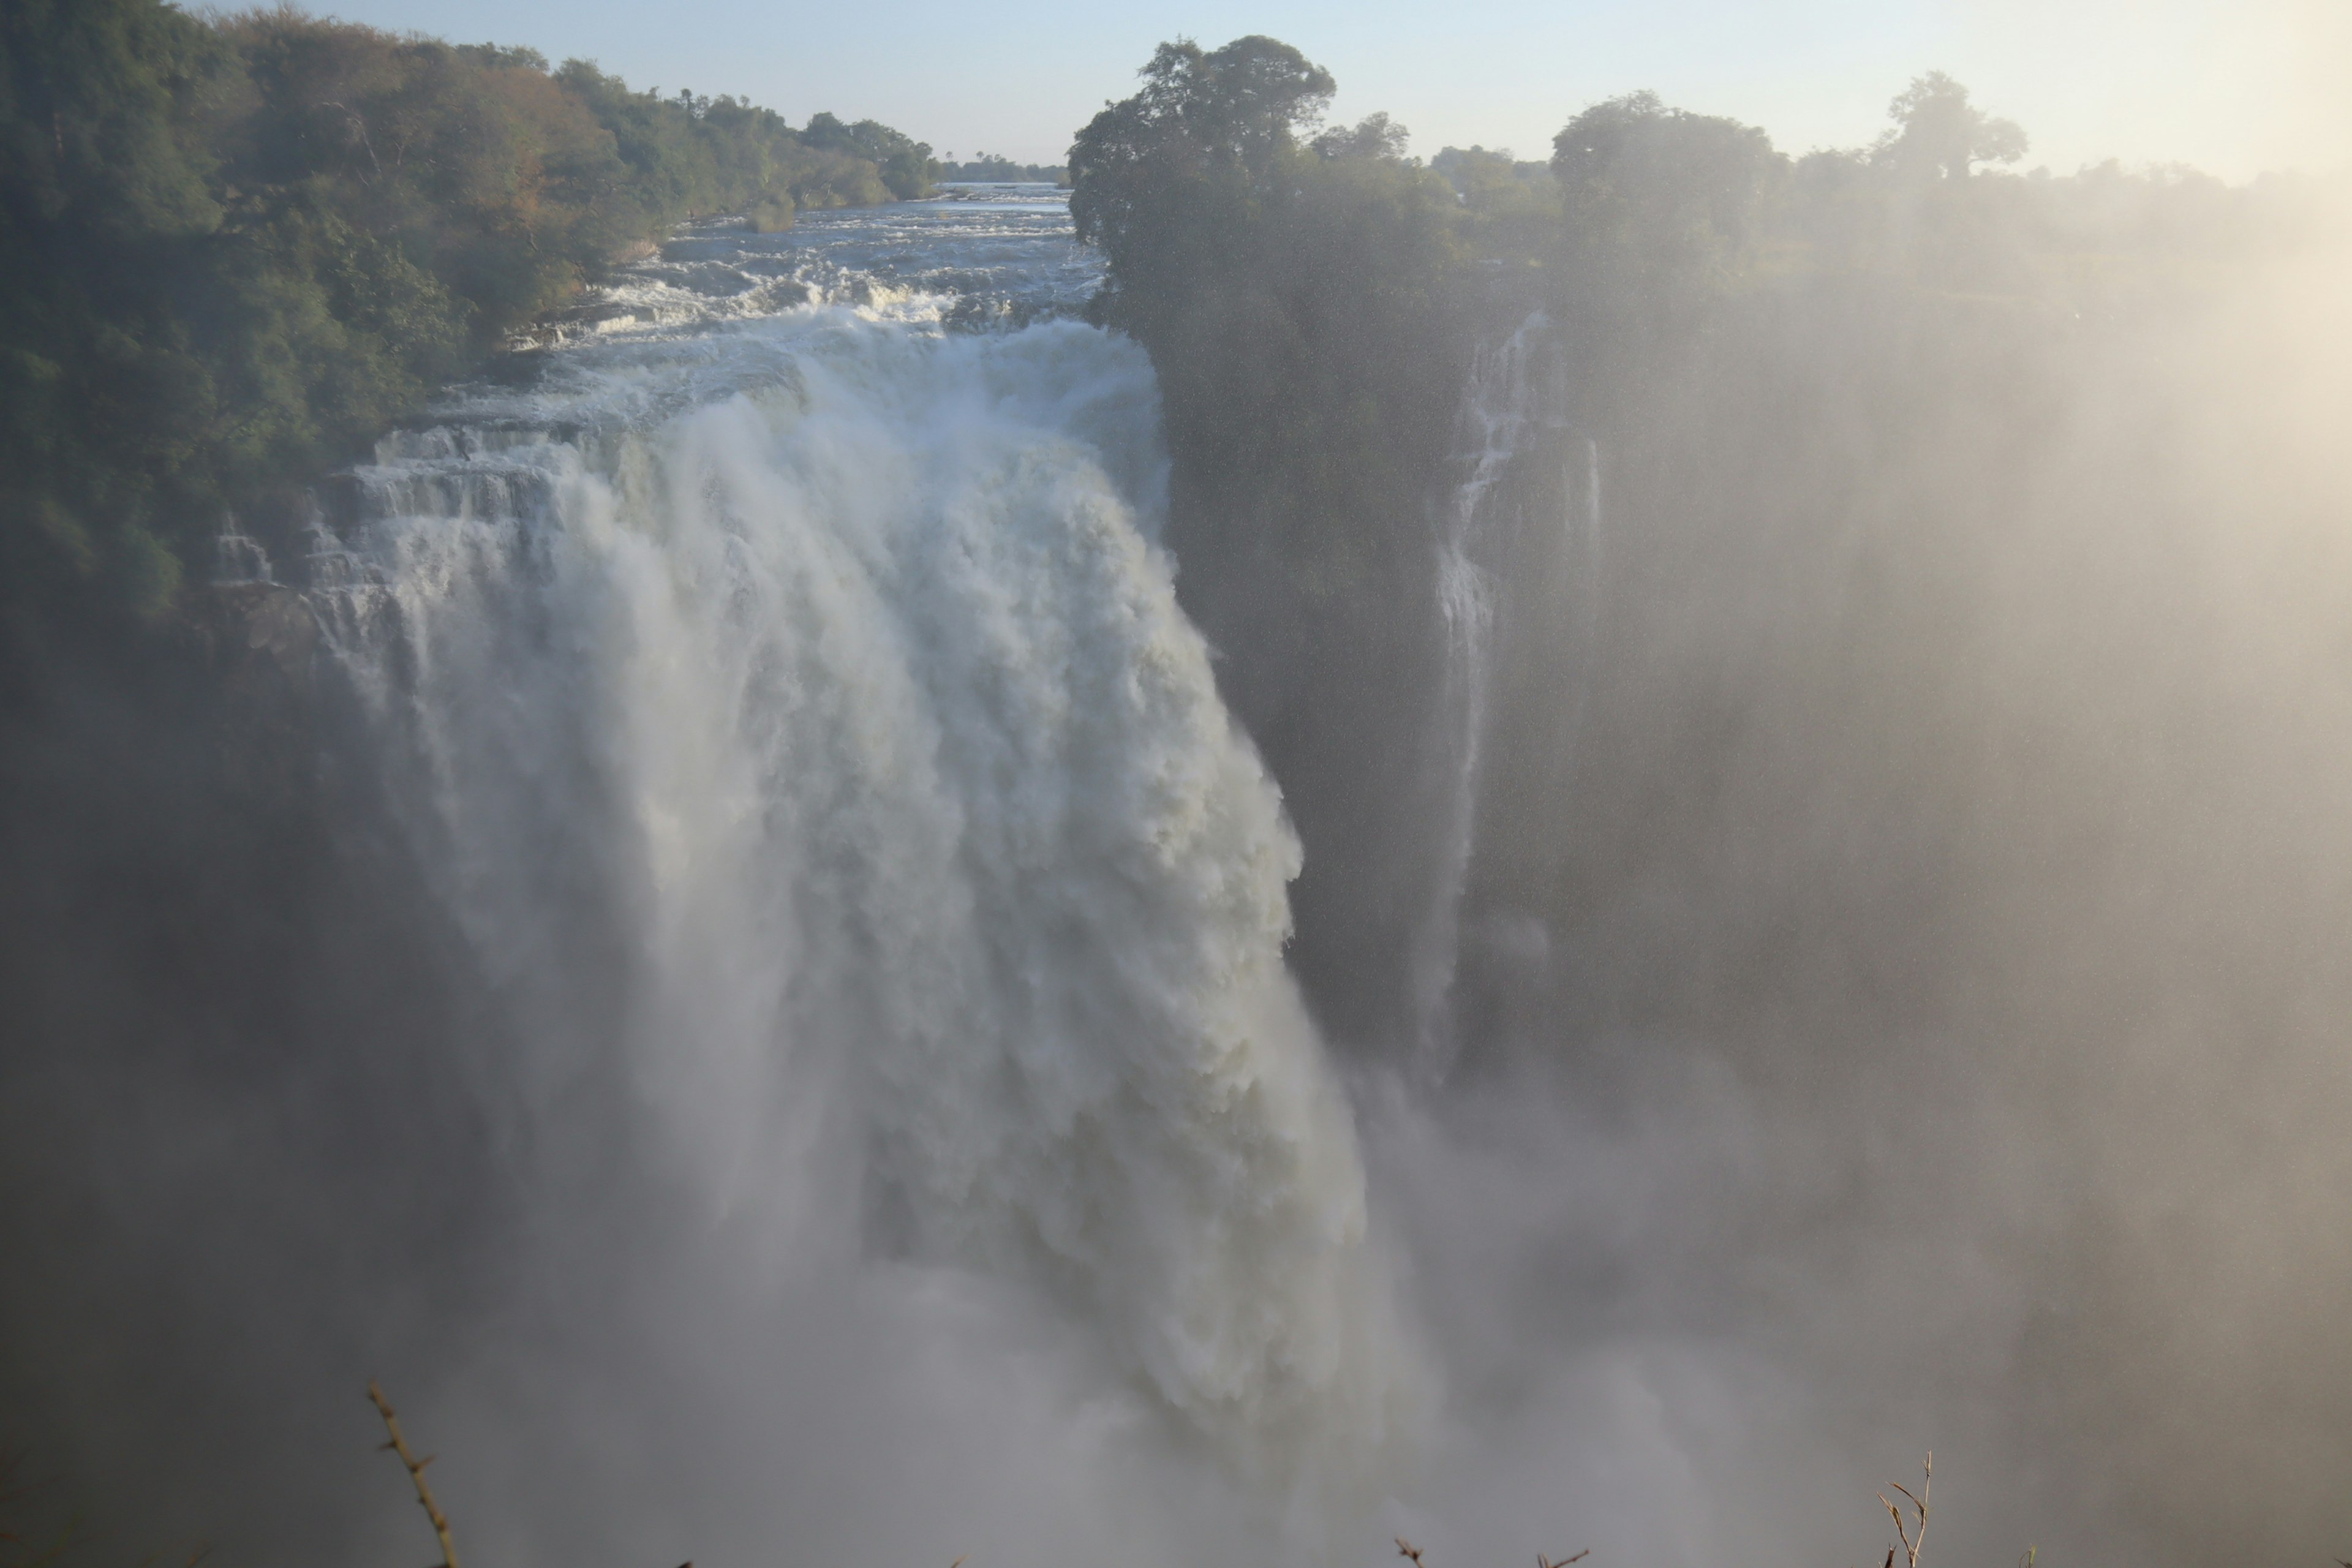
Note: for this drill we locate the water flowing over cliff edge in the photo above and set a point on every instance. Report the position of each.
(784, 693)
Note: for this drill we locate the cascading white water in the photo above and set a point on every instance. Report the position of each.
(1507, 396)
(797, 715)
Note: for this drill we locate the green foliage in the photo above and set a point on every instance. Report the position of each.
(107, 199)
(236, 248)
(904, 165)
(1511, 209)
(1162, 180)
(1660, 203)
(1939, 134)
(1295, 297)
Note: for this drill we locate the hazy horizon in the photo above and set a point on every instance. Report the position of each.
(2236, 90)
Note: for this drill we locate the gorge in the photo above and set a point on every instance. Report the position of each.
(1294, 848)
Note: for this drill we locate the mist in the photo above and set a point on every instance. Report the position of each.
(1296, 849)
(1911, 916)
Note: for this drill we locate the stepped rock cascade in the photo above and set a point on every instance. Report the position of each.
(795, 709)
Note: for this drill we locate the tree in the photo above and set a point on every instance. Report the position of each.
(905, 164)
(107, 210)
(1375, 136)
(1659, 199)
(1219, 120)
(1939, 134)
(1511, 209)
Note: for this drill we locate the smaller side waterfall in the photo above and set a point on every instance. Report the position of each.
(1513, 409)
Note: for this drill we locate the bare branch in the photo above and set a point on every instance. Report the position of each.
(399, 1445)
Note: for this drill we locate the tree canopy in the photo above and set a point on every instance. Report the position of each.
(1194, 153)
(1937, 134)
(1659, 199)
(1261, 263)
(236, 248)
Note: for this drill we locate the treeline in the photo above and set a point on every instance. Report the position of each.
(990, 168)
(235, 248)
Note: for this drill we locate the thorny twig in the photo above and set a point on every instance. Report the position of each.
(399, 1445)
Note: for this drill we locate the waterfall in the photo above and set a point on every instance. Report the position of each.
(1511, 397)
(799, 722)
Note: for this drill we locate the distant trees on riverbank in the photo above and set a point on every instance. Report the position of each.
(233, 248)
(990, 168)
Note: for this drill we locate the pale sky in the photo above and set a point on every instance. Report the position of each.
(2235, 89)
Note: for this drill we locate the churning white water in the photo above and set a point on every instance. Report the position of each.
(793, 704)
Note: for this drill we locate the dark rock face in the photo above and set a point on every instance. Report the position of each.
(266, 621)
(218, 966)
(260, 645)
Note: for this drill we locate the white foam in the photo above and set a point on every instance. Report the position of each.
(820, 706)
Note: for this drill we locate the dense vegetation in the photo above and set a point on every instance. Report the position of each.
(1279, 285)
(233, 248)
